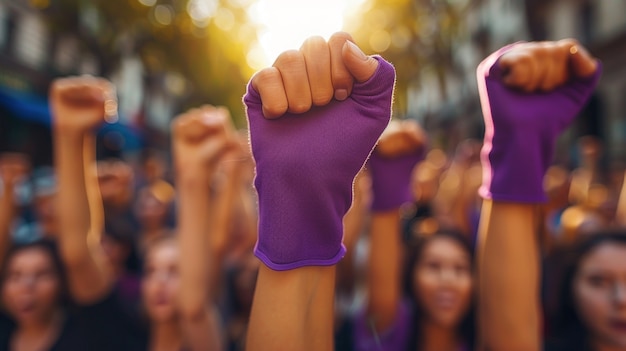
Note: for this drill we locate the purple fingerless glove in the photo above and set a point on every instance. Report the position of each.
(391, 179)
(521, 130)
(305, 169)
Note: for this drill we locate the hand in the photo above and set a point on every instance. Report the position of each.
(311, 76)
(401, 138)
(81, 104)
(307, 158)
(399, 149)
(556, 80)
(200, 138)
(543, 66)
(13, 167)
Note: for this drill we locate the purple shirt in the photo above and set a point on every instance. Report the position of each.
(395, 338)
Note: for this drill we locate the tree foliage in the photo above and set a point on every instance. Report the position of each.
(416, 35)
(209, 53)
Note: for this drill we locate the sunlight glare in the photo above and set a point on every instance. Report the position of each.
(285, 24)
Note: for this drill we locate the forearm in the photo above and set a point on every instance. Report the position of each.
(384, 268)
(621, 205)
(509, 303)
(204, 334)
(7, 214)
(88, 277)
(293, 310)
(73, 205)
(194, 230)
(96, 208)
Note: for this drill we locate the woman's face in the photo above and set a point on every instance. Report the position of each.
(442, 280)
(31, 287)
(600, 294)
(160, 281)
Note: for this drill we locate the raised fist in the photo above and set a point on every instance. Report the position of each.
(311, 76)
(201, 137)
(13, 167)
(81, 104)
(308, 147)
(399, 149)
(529, 93)
(401, 138)
(543, 66)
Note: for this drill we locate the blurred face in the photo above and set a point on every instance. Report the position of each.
(160, 281)
(442, 280)
(31, 288)
(46, 213)
(116, 251)
(115, 179)
(600, 294)
(150, 210)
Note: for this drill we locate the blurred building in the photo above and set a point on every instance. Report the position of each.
(33, 52)
(489, 24)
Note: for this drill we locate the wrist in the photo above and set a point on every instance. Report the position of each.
(193, 178)
(66, 134)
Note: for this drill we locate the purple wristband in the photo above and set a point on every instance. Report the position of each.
(391, 179)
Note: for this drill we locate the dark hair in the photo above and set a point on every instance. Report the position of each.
(415, 250)
(567, 330)
(123, 233)
(50, 248)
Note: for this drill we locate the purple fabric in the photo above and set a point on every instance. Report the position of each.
(305, 167)
(521, 130)
(395, 338)
(391, 179)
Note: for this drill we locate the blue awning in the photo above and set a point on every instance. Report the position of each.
(25, 105)
(35, 108)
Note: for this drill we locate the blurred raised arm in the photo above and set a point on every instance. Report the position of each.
(201, 137)
(79, 105)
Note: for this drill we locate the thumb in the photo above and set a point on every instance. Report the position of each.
(582, 63)
(361, 66)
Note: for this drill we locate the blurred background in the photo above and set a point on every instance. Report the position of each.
(165, 56)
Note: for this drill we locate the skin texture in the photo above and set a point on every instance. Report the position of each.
(599, 290)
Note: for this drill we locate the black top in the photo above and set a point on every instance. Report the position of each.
(103, 326)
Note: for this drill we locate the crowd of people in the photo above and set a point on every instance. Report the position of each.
(326, 224)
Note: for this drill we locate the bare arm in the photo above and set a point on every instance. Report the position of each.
(620, 217)
(399, 149)
(12, 168)
(200, 139)
(508, 265)
(78, 107)
(384, 278)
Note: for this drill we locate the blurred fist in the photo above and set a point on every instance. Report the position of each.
(80, 104)
(13, 167)
(201, 137)
(401, 138)
(544, 66)
(312, 75)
